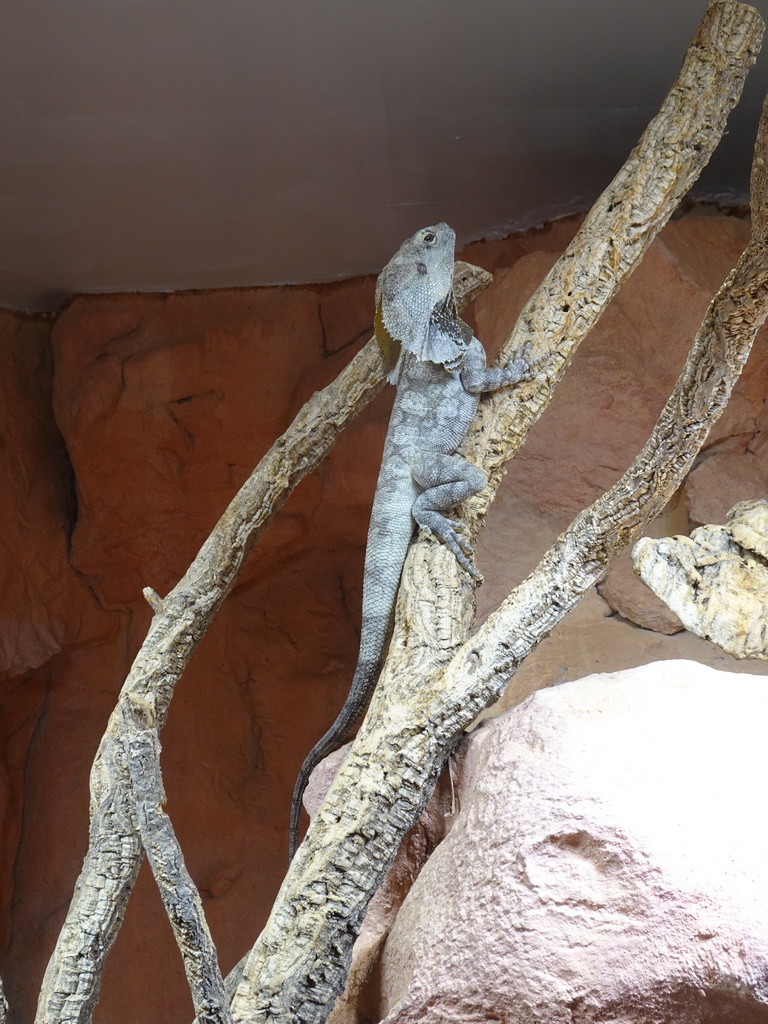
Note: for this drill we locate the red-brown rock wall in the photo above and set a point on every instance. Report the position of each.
(127, 425)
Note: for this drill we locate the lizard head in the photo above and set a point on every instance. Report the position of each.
(417, 278)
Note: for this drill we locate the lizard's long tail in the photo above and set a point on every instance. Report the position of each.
(342, 730)
(388, 538)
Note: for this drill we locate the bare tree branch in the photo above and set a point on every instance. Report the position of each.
(667, 160)
(141, 749)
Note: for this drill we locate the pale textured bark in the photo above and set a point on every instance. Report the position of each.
(716, 580)
(141, 749)
(624, 221)
(3, 1005)
(71, 983)
(296, 969)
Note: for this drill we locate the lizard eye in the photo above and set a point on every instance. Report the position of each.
(429, 237)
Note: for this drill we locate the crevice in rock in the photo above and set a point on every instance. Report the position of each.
(323, 335)
(66, 484)
(68, 490)
(327, 349)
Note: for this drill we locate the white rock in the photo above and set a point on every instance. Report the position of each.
(716, 580)
(608, 862)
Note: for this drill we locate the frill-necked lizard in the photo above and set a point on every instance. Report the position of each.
(440, 371)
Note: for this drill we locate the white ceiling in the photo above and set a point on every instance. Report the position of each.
(165, 144)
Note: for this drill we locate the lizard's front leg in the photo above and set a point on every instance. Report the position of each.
(447, 480)
(477, 378)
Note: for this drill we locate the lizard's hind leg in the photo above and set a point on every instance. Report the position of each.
(447, 480)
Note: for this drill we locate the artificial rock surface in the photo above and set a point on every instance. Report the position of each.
(716, 580)
(606, 862)
(127, 424)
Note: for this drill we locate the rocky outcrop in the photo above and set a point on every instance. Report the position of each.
(127, 424)
(716, 580)
(606, 862)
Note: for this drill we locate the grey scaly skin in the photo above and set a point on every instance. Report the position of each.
(440, 372)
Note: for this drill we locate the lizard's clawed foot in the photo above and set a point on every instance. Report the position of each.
(521, 367)
(448, 532)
